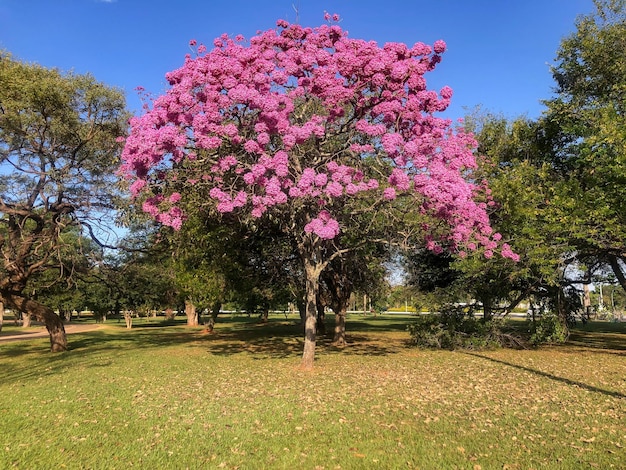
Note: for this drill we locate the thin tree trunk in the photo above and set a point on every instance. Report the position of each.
(302, 311)
(617, 270)
(43, 314)
(1, 315)
(215, 311)
(321, 316)
(562, 310)
(340, 291)
(128, 318)
(192, 314)
(487, 310)
(339, 339)
(312, 271)
(170, 314)
(265, 314)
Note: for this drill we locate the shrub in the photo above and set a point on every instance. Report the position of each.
(453, 328)
(548, 329)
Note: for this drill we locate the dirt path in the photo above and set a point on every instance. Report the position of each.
(41, 332)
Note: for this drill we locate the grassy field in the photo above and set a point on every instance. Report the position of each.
(172, 397)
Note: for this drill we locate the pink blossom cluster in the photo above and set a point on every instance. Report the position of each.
(310, 115)
(324, 226)
(172, 216)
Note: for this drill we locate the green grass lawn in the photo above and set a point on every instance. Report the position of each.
(173, 397)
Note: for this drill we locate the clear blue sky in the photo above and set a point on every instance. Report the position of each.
(498, 56)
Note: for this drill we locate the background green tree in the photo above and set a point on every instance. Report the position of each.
(58, 156)
(589, 113)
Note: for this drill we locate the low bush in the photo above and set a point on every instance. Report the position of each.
(548, 329)
(453, 328)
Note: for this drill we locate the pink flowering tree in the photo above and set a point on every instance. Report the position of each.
(293, 125)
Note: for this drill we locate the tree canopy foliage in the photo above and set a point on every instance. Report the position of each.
(588, 113)
(58, 155)
(558, 180)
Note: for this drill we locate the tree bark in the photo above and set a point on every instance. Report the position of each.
(192, 314)
(321, 317)
(128, 318)
(170, 314)
(54, 324)
(302, 311)
(1, 315)
(487, 310)
(215, 311)
(617, 270)
(561, 309)
(26, 320)
(310, 322)
(339, 290)
(265, 314)
(340, 329)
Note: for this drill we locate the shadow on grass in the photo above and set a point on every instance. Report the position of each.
(556, 378)
(372, 324)
(596, 326)
(600, 335)
(278, 338)
(86, 349)
(283, 339)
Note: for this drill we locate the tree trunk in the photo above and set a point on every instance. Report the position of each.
(617, 270)
(128, 318)
(215, 311)
(26, 320)
(586, 301)
(265, 314)
(43, 314)
(1, 315)
(561, 309)
(312, 271)
(302, 311)
(170, 314)
(487, 310)
(321, 316)
(340, 290)
(339, 339)
(192, 314)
